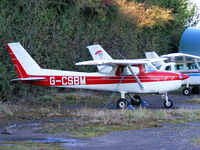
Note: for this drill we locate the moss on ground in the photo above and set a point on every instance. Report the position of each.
(29, 145)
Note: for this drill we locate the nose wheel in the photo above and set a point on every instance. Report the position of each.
(186, 91)
(168, 103)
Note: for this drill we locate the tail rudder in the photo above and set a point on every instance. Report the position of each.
(23, 62)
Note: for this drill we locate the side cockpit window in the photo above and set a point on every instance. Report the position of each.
(126, 71)
(168, 68)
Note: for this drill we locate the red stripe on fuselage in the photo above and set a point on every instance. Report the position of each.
(93, 80)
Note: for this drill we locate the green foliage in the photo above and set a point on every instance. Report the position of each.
(56, 33)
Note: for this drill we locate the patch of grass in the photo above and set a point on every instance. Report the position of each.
(68, 99)
(93, 122)
(196, 140)
(6, 109)
(27, 145)
(177, 121)
(186, 114)
(90, 131)
(119, 117)
(193, 101)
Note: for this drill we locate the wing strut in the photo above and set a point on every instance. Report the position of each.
(136, 77)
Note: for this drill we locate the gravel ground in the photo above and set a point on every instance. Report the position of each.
(169, 136)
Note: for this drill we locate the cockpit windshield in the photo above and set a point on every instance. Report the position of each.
(148, 67)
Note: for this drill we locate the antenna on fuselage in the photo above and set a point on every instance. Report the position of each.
(120, 54)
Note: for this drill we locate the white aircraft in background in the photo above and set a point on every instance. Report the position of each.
(123, 76)
(181, 63)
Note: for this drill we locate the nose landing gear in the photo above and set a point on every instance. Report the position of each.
(168, 103)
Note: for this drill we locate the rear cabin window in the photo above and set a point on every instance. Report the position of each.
(191, 66)
(179, 67)
(179, 59)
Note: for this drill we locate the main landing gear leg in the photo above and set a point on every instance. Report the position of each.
(136, 100)
(122, 103)
(168, 103)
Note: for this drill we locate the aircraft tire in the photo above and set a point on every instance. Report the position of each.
(168, 105)
(195, 90)
(122, 103)
(136, 101)
(186, 91)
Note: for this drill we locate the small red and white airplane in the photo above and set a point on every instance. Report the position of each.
(123, 76)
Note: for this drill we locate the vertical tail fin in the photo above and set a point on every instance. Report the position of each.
(98, 53)
(23, 62)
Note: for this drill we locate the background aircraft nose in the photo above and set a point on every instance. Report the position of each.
(183, 76)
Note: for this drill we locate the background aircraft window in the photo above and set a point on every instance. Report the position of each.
(178, 58)
(191, 66)
(189, 59)
(168, 68)
(179, 67)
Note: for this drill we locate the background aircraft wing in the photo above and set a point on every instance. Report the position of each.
(172, 55)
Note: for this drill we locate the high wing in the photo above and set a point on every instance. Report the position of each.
(120, 62)
(112, 62)
(125, 63)
(173, 55)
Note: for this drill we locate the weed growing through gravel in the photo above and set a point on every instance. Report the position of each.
(6, 109)
(28, 145)
(119, 117)
(90, 121)
(193, 101)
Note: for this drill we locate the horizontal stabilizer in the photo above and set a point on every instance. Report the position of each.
(28, 79)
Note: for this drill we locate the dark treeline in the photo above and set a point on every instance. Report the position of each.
(56, 33)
